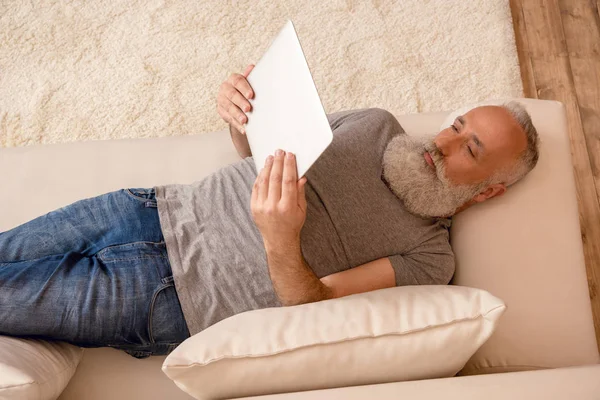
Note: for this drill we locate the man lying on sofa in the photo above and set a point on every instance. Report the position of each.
(143, 269)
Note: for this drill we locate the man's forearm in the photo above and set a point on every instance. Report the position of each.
(293, 280)
(240, 142)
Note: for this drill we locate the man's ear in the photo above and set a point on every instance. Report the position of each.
(494, 190)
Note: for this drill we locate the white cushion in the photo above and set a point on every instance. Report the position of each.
(35, 369)
(395, 334)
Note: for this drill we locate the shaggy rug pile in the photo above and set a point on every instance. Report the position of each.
(104, 69)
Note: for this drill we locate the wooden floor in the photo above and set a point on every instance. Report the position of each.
(558, 42)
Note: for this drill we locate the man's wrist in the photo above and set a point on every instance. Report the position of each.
(240, 142)
(287, 246)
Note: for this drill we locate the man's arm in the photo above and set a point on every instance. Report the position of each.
(373, 275)
(293, 280)
(278, 207)
(240, 141)
(295, 283)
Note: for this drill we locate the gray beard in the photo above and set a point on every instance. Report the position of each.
(424, 192)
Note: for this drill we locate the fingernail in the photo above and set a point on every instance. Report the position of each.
(279, 152)
(269, 159)
(241, 118)
(246, 108)
(243, 131)
(248, 95)
(290, 155)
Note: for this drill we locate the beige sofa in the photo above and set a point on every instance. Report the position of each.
(524, 248)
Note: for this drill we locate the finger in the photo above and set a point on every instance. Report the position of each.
(240, 83)
(239, 100)
(290, 179)
(231, 109)
(236, 114)
(302, 194)
(255, 187)
(276, 177)
(231, 96)
(248, 69)
(263, 182)
(230, 120)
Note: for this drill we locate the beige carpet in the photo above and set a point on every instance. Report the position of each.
(103, 69)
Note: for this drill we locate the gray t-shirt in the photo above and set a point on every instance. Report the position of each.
(217, 254)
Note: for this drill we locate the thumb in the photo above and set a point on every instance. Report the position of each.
(248, 69)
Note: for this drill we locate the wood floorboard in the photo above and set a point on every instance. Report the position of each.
(529, 89)
(558, 43)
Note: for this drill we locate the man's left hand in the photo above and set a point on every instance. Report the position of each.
(278, 202)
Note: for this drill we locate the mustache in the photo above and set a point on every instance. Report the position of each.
(436, 156)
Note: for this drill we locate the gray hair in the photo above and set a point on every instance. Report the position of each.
(529, 157)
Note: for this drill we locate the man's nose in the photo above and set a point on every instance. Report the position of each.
(447, 143)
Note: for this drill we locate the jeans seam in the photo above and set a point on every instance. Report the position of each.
(100, 252)
(32, 259)
(4, 263)
(129, 258)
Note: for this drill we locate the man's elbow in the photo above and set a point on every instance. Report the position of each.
(322, 292)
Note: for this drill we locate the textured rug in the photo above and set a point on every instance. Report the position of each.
(105, 69)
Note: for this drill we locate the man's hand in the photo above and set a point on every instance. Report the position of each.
(278, 202)
(279, 210)
(232, 99)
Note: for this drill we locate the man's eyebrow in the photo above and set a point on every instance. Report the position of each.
(474, 136)
(477, 142)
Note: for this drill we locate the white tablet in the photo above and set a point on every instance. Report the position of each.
(286, 111)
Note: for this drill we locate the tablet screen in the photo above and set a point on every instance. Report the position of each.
(286, 111)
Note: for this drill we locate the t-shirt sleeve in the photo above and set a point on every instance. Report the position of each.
(373, 118)
(431, 263)
(338, 118)
(360, 138)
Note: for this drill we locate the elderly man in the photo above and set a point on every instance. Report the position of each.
(143, 269)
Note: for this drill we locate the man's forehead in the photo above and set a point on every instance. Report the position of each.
(488, 117)
(495, 128)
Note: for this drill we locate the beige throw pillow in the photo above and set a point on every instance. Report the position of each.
(35, 369)
(395, 334)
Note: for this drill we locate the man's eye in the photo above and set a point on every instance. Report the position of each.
(471, 152)
(454, 128)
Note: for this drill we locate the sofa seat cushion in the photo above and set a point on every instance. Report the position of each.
(581, 383)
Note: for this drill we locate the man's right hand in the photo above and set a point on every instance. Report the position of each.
(232, 100)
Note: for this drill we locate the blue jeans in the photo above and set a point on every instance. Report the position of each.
(94, 273)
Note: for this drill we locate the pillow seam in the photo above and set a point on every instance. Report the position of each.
(68, 365)
(429, 327)
(37, 382)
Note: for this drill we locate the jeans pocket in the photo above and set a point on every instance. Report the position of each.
(148, 196)
(166, 323)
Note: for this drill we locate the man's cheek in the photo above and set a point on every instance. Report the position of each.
(448, 171)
